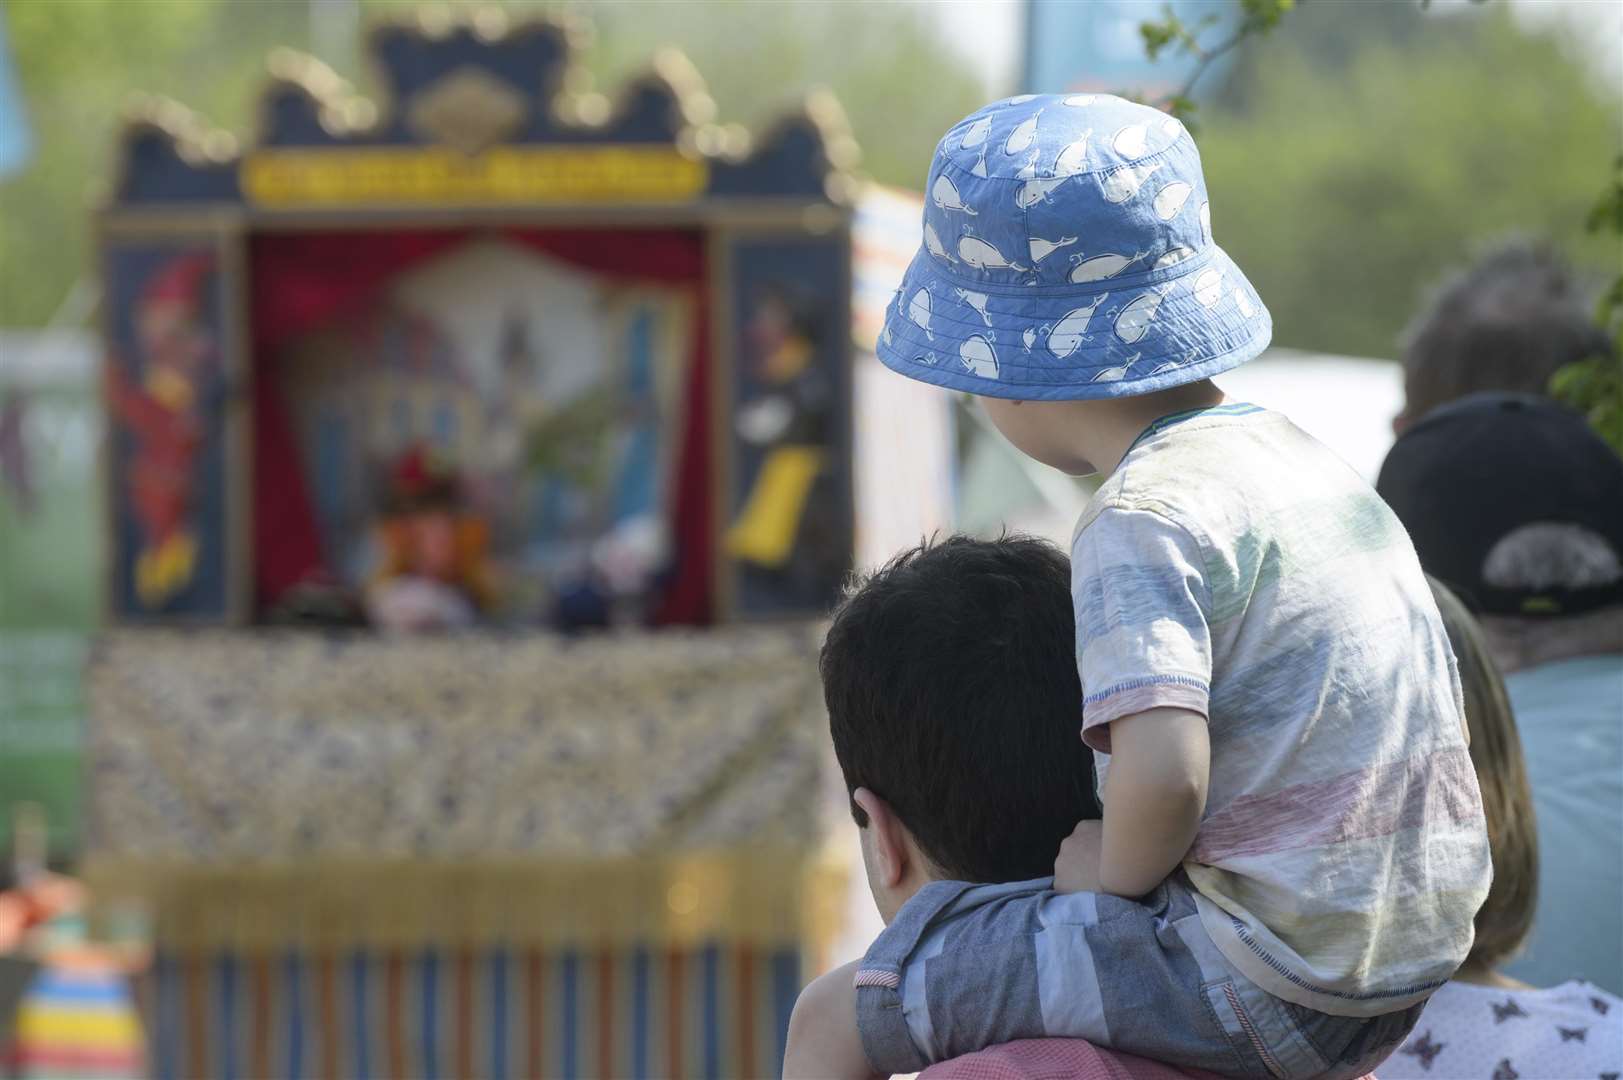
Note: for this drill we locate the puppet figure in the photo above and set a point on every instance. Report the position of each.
(434, 573)
(786, 531)
(165, 417)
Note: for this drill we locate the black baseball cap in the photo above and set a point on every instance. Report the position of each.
(1472, 472)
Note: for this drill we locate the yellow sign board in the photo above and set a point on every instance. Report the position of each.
(508, 175)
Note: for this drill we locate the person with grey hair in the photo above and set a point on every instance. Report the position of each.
(1517, 505)
(1508, 323)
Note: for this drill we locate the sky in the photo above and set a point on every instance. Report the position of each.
(988, 32)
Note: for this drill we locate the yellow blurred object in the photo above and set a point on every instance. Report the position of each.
(765, 531)
(163, 571)
(171, 389)
(84, 1030)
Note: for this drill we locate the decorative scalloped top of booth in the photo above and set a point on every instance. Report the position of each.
(481, 111)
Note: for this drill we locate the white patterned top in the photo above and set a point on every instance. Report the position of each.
(1574, 1031)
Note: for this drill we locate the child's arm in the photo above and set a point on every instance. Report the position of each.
(1139, 584)
(823, 1039)
(1153, 800)
(1153, 797)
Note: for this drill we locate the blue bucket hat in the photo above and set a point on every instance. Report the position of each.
(1068, 254)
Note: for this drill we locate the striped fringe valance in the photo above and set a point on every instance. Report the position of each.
(762, 897)
(494, 1013)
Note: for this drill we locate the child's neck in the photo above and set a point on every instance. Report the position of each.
(1116, 423)
(1481, 975)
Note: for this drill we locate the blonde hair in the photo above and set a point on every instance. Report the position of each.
(1506, 916)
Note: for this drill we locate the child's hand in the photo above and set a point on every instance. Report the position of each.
(1077, 867)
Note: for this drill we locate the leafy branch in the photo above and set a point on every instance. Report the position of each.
(1170, 32)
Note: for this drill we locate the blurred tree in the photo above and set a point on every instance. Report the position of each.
(1324, 44)
(1345, 180)
(78, 62)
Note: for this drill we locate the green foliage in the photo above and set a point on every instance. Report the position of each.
(1265, 14)
(1171, 31)
(1595, 385)
(80, 60)
(1347, 175)
(1606, 220)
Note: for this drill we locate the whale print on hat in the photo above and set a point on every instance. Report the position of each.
(1122, 184)
(1036, 190)
(1021, 138)
(1042, 249)
(1075, 231)
(1101, 267)
(1171, 258)
(1133, 321)
(945, 194)
(1073, 159)
(976, 135)
(1209, 287)
(981, 255)
(978, 356)
(1131, 141)
(918, 310)
(1170, 199)
(1118, 373)
(975, 300)
(1067, 334)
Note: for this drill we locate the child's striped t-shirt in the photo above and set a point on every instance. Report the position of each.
(1233, 566)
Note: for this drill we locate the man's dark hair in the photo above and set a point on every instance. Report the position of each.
(1505, 323)
(952, 692)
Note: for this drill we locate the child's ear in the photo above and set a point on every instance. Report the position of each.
(888, 837)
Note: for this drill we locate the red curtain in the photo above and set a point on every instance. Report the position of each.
(302, 281)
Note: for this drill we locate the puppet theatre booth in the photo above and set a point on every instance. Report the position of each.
(480, 464)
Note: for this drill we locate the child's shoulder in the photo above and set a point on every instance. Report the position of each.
(1222, 473)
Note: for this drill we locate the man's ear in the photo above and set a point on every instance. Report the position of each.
(889, 838)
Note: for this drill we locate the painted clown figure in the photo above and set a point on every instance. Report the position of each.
(165, 415)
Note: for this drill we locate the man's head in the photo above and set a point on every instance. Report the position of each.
(1506, 323)
(1517, 506)
(955, 709)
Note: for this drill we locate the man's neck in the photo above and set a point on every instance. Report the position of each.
(1518, 643)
